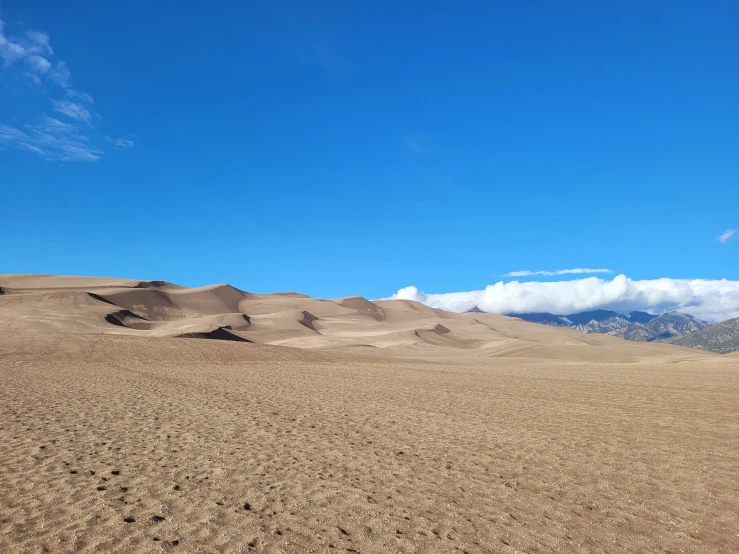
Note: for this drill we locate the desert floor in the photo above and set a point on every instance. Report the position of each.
(136, 444)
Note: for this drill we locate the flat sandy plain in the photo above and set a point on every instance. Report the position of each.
(507, 436)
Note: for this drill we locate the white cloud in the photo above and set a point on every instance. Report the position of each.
(10, 51)
(39, 63)
(726, 236)
(10, 136)
(712, 300)
(30, 49)
(48, 136)
(121, 142)
(61, 75)
(577, 270)
(35, 79)
(53, 139)
(72, 110)
(80, 96)
(34, 49)
(39, 42)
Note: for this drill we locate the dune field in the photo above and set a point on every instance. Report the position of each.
(142, 416)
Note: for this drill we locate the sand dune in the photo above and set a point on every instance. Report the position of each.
(124, 430)
(46, 282)
(393, 328)
(362, 305)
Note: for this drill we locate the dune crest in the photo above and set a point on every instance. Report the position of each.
(391, 328)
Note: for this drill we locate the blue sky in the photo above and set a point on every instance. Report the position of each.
(340, 148)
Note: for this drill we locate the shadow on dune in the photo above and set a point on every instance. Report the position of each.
(218, 334)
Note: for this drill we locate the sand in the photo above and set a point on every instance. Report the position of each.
(135, 440)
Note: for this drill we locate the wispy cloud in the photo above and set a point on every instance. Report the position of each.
(122, 142)
(61, 75)
(726, 236)
(39, 64)
(81, 96)
(574, 271)
(50, 137)
(10, 51)
(712, 300)
(39, 41)
(31, 49)
(11, 136)
(72, 110)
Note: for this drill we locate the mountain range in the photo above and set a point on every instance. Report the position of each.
(721, 338)
(635, 326)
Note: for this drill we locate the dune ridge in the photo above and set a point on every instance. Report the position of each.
(392, 328)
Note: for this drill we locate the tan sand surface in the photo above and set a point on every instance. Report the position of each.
(118, 439)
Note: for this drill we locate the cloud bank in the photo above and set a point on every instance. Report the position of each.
(712, 300)
(575, 271)
(29, 56)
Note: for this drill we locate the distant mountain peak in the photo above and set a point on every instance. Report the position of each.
(636, 325)
(721, 338)
(640, 317)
